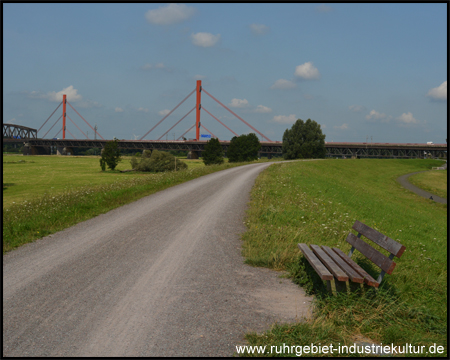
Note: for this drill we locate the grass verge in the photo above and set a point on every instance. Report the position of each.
(47, 213)
(317, 202)
(434, 181)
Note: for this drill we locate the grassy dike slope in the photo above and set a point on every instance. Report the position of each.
(434, 181)
(317, 202)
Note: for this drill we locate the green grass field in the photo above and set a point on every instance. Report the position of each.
(30, 177)
(316, 202)
(434, 181)
(46, 194)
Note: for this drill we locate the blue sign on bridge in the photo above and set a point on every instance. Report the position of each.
(206, 136)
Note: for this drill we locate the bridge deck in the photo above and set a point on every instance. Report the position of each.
(334, 149)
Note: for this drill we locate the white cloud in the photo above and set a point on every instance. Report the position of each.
(72, 95)
(283, 119)
(439, 93)
(407, 118)
(324, 8)
(263, 109)
(341, 127)
(238, 103)
(375, 115)
(142, 109)
(12, 121)
(164, 112)
(307, 71)
(199, 77)
(205, 39)
(159, 66)
(147, 67)
(357, 108)
(283, 84)
(170, 14)
(118, 109)
(259, 29)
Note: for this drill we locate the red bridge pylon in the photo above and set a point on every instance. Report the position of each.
(198, 124)
(64, 115)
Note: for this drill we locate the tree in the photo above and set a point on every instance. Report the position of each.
(213, 153)
(243, 148)
(304, 141)
(157, 161)
(110, 155)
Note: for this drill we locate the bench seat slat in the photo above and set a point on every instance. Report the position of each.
(329, 263)
(352, 274)
(378, 238)
(369, 280)
(380, 260)
(321, 270)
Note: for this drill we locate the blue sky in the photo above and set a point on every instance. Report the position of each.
(359, 70)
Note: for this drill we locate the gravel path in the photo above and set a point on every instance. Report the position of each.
(162, 276)
(403, 180)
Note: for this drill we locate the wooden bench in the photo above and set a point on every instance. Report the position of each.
(341, 272)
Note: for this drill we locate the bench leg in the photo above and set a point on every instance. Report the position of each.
(334, 286)
(356, 286)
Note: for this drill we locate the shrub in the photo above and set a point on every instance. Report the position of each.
(213, 153)
(157, 161)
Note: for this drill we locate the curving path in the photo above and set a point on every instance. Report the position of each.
(403, 180)
(162, 276)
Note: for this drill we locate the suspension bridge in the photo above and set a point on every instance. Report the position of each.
(34, 145)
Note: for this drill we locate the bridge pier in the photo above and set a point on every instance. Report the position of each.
(35, 150)
(63, 151)
(193, 154)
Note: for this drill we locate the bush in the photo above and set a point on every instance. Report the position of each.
(156, 161)
(304, 141)
(178, 153)
(93, 151)
(110, 155)
(243, 148)
(213, 153)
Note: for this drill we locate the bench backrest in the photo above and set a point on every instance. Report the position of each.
(386, 264)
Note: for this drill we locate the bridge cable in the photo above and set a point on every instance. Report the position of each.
(77, 127)
(57, 133)
(49, 117)
(264, 136)
(176, 123)
(85, 120)
(52, 126)
(71, 134)
(148, 132)
(203, 108)
(186, 131)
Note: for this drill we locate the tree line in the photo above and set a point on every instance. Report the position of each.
(304, 140)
